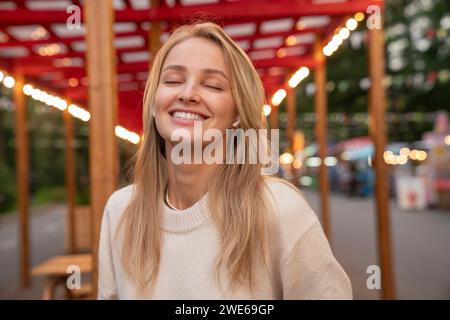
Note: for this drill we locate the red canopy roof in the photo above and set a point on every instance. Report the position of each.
(277, 35)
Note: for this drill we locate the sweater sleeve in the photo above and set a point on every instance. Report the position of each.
(107, 288)
(310, 271)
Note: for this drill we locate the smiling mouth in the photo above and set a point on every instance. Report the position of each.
(187, 116)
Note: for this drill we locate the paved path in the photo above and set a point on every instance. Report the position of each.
(46, 240)
(420, 242)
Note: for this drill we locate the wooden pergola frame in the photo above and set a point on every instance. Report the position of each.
(103, 97)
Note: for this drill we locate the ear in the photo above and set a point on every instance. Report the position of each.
(236, 123)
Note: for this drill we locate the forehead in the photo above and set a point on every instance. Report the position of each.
(197, 53)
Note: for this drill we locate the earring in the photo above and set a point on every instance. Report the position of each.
(236, 123)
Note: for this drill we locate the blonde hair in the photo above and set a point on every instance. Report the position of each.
(237, 194)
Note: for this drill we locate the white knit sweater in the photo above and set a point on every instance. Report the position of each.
(303, 264)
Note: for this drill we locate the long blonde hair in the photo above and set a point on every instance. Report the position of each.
(236, 197)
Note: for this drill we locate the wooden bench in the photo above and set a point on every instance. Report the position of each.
(55, 270)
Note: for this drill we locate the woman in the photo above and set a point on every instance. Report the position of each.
(209, 230)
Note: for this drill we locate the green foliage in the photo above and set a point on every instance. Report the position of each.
(46, 156)
(47, 147)
(7, 187)
(48, 195)
(417, 39)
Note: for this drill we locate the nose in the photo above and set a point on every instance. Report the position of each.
(188, 94)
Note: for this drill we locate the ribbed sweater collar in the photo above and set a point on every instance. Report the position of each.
(187, 219)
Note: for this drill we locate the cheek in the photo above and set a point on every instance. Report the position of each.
(158, 100)
(224, 109)
(162, 99)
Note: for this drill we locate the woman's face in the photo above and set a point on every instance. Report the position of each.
(194, 86)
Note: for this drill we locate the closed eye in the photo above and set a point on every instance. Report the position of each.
(172, 82)
(215, 88)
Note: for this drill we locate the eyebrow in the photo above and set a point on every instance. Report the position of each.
(178, 67)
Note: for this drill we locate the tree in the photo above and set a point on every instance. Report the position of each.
(417, 58)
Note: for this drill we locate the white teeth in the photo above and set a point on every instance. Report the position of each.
(187, 115)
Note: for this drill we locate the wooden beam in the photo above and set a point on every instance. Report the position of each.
(320, 105)
(22, 176)
(103, 154)
(274, 118)
(142, 33)
(34, 69)
(291, 116)
(289, 62)
(377, 127)
(70, 180)
(154, 35)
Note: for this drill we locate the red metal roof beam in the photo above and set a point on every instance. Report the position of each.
(230, 11)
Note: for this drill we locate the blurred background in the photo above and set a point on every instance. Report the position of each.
(46, 118)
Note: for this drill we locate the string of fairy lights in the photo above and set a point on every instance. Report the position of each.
(59, 103)
(340, 35)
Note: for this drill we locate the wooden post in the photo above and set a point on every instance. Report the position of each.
(274, 118)
(154, 34)
(101, 69)
(291, 116)
(320, 105)
(377, 126)
(70, 180)
(22, 176)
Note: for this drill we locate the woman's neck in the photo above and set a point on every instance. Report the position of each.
(188, 182)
